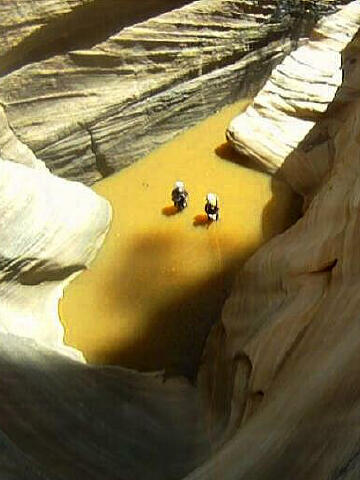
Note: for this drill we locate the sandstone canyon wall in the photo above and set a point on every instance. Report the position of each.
(277, 396)
(287, 347)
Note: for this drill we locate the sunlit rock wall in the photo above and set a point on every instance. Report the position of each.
(291, 321)
(90, 90)
(286, 353)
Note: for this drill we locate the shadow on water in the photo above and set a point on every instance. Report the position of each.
(320, 139)
(290, 214)
(169, 211)
(202, 220)
(172, 336)
(173, 333)
(226, 152)
(280, 194)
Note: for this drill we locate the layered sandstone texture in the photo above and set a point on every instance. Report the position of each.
(287, 349)
(277, 396)
(90, 90)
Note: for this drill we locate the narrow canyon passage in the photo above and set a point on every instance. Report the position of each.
(161, 277)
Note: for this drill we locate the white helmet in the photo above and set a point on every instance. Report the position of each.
(180, 185)
(212, 199)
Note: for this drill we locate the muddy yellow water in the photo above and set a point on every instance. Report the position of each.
(161, 277)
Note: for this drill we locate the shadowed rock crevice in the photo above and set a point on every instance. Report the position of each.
(33, 271)
(350, 469)
(109, 423)
(47, 273)
(327, 268)
(100, 160)
(10, 268)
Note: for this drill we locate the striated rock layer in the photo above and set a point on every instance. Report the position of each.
(90, 91)
(280, 375)
(281, 370)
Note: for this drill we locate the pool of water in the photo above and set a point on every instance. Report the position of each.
(161, 277)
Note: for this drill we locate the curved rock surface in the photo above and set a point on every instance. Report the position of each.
(286, 351)
(60, 417)
(281, 370)
(90, 91)
(296, 95)
(44, 239)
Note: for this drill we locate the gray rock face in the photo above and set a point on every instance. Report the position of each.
(89, 94)
(66, 420)
(288, 332)
(286, 351)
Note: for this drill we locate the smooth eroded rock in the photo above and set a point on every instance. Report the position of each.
(90, 93)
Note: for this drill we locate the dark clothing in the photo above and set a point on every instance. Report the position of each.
(179, 197)
(212, 212)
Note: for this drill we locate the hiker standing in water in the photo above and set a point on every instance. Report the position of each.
(212, 207)
(179, 196)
